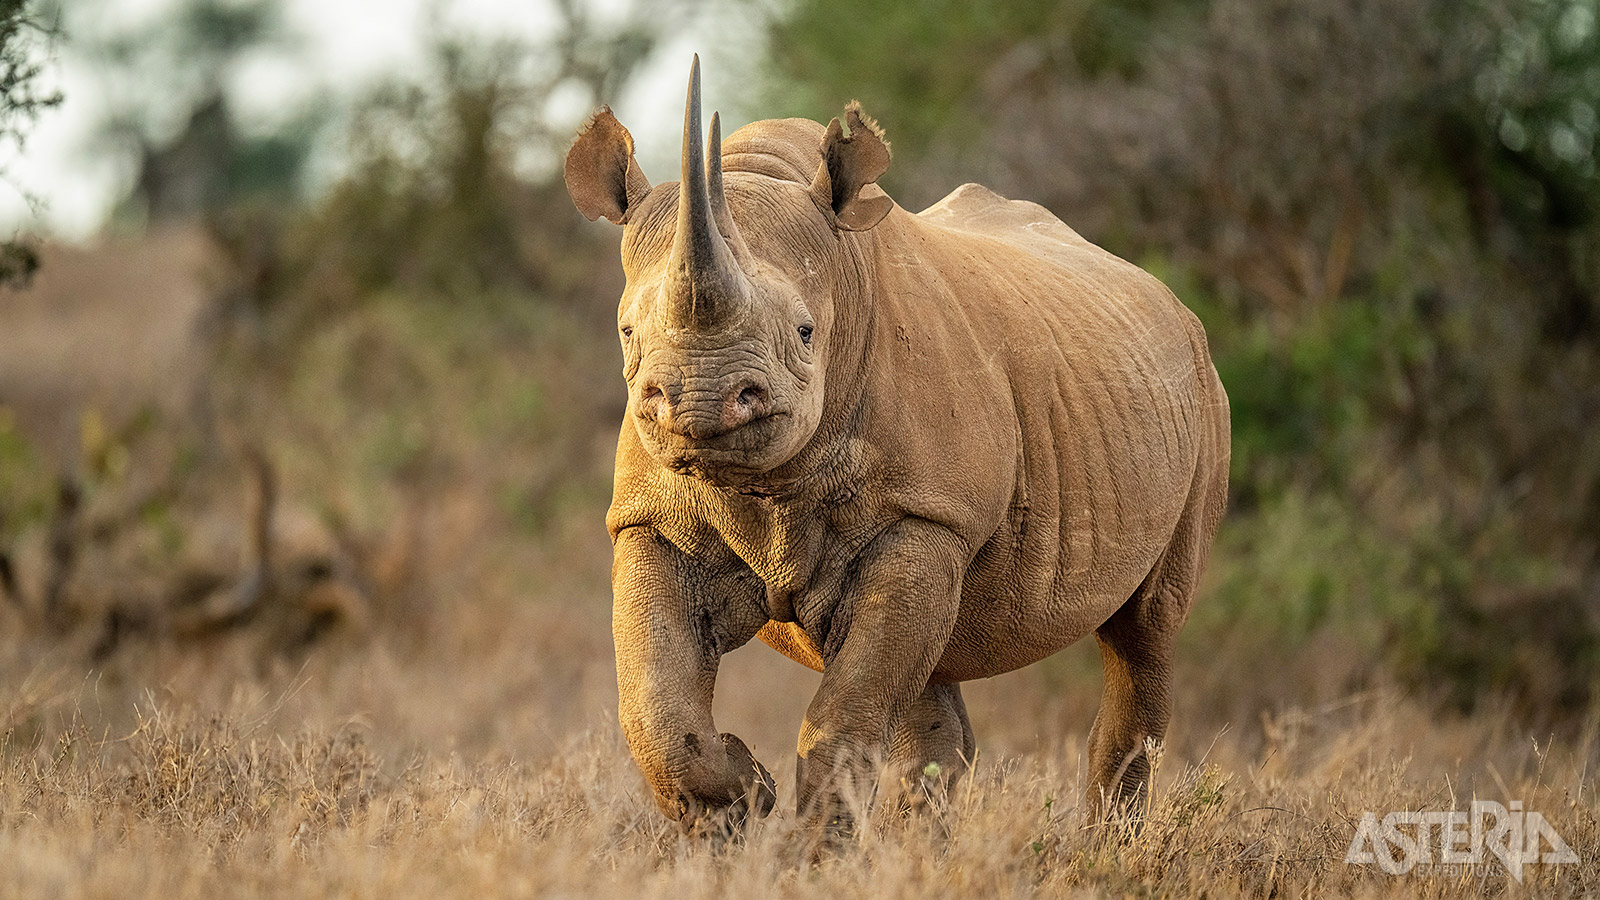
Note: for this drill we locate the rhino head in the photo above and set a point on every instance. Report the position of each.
(728, 320)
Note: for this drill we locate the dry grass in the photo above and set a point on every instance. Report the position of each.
(458, 736)
(308, 790)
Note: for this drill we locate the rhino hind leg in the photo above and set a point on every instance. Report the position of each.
(1136, 650)
(1135, 706)
(930, 748)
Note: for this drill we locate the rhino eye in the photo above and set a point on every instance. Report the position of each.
(805, 334)
(627, 331)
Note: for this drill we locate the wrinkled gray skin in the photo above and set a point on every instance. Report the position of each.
(905, 450)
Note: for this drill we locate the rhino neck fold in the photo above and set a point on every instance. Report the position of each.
(856, 332)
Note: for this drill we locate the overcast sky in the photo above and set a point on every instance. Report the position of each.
(339, 44)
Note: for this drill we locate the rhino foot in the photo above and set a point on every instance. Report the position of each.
(760, 791)
(726, 816)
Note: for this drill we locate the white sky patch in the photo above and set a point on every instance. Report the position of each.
(58, 166)
(349, 43)
(268, 90)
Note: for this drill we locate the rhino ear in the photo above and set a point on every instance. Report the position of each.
(601, 174)
(849, 164)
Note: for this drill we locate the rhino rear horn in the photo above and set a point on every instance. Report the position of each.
(850, 163)
(719, 200)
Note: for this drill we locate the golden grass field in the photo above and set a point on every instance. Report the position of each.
(450, 730)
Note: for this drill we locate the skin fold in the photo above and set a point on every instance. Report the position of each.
(905, 450)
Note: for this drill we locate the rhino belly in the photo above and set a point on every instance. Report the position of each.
(1010, 617)
(1078, 540)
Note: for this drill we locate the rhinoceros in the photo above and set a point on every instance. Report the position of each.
(904, 449)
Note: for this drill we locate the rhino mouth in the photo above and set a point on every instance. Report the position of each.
(731, 449)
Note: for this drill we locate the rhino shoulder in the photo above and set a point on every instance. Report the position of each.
(974, 208)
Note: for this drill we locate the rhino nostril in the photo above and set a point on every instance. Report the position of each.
(752, 396)
(653, 402)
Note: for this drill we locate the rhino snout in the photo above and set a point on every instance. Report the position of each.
(702, 413)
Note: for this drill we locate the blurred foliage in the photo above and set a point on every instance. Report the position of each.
(170, 85)
(23, 493)
(393, 347)
(936, 64)
(435, 174)
(1385, 214)
(429, 314)
(451, 186)
(24, 40)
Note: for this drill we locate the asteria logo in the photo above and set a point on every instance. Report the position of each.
(1514, 837)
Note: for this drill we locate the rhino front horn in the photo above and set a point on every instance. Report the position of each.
(705, 286)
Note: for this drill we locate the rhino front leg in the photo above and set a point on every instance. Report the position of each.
(671, 623)
(898, 613)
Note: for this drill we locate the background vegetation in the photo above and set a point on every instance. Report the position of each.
(303, 578)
